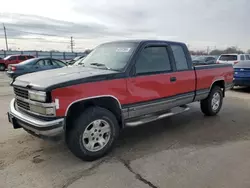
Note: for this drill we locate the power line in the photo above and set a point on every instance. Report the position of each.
(39, 40)
(35, 33)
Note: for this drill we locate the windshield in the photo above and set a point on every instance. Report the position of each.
(29, 61)
(79, 61)
(114, 56)
(228, 57)
(6, 58)
(199, 58)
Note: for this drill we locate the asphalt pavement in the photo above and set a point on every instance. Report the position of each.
(187, 150)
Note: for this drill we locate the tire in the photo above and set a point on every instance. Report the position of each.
(2, 67)
(80, 137)
(208, 106)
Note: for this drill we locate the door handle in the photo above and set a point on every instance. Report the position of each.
(173, 79)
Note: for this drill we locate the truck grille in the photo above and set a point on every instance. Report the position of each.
(21, 92)
(23, 104)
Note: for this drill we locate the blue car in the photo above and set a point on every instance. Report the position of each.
(33, 65)
(242, 74)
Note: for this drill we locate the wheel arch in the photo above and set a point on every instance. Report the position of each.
(106, 101)
(220, 83)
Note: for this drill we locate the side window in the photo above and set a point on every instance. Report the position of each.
(153, 60)
(242, 58)
(21, 58)
(40, 63)
(57, 63)
(180, 57)
(247, 57)
(47, 62)
(210, 59)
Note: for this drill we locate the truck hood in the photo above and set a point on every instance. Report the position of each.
(62, 77)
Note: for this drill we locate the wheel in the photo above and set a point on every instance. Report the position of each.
(212, 104)
(2, 67)
(93, 134)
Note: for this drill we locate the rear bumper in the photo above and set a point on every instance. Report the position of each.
(12, 74)
(36, 126)
(242, 82)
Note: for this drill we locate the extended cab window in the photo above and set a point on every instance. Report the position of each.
(153, 60)
(180, 57)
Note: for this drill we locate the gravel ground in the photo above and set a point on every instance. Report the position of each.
(187, 150)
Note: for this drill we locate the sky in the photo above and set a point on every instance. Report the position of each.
(49, 24)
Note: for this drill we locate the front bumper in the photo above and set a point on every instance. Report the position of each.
(36, 126)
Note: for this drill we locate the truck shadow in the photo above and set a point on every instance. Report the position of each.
(242, 89)
(191, 129)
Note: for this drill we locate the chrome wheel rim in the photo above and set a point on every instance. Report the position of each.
(96, 135)
(216, 101)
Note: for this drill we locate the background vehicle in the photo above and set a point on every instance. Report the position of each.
(72, 61)
(204, 60)
(123, 83)
(242, 74)
(79, 61)
(13, 59)
(233, 59)
(34, 65)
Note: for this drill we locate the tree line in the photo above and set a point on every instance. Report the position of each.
(229, 50)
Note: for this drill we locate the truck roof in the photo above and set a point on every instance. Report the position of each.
(145, 41)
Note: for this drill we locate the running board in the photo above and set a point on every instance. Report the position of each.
(157, 116)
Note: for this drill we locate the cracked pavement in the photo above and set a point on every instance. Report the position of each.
(187, 150)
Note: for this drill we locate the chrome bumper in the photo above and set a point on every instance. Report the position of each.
(38, 127)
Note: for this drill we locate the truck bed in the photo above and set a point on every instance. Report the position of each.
(208, 74)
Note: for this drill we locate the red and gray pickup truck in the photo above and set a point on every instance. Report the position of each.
(119, 84)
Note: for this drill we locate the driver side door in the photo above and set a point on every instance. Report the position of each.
(152, 82)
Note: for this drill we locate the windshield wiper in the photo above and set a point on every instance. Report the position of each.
(100, 65)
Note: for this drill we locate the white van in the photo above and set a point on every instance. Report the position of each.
(233, 58)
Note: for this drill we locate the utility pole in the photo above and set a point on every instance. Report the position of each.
(72, 44)
(6, 41)
(208, 50)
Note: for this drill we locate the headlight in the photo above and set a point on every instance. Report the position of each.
(37, 96)
(50, 111)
